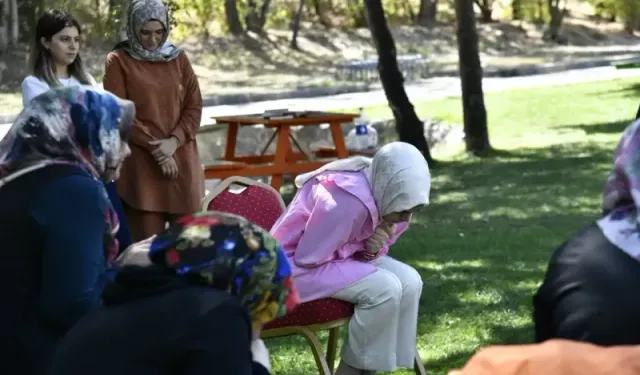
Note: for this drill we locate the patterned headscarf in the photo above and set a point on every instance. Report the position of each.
(80, 126)
(141, 12)
(230, 253)
(622, 194)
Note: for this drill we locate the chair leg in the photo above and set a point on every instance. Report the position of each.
(418, 365)
(332, 347)
(316, 348)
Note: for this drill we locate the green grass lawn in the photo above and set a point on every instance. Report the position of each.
(482, 245)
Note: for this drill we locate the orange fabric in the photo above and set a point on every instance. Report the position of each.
(554, 357)
(168, 102)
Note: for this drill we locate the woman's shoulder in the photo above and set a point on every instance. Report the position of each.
(117, 56)
(182, 56)
(347, 185)
(31, 81)
(78, 184)
(334, 191)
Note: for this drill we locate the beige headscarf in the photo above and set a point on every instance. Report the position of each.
(398, 174)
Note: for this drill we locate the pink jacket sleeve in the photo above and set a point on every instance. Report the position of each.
(336, 217)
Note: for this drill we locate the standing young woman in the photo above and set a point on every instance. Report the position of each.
(55, 59)
(56, 62)
(163, 178)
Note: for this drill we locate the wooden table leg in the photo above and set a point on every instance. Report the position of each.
(338, 140)
(282, 150)
(232, 136)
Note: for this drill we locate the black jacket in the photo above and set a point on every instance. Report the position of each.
(152, 323)
(589, 293)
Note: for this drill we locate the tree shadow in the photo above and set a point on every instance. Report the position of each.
(631, 90)
(500, 335)
(616, 127)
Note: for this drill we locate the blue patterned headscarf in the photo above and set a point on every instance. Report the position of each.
(80, 126)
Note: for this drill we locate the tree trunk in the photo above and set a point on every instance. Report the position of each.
(516, 9)
(409, 127)
(295, 26)
(555, 22)
(540, 11)
(427, 13)
(13, 26)
(256, 18)
(233, 18)
(4, 42)
(406, 5)
(486, 10)
(320, 13)
(475, 114)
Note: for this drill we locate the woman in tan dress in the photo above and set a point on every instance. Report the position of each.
(163, 177)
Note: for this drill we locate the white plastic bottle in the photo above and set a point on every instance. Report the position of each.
(363, 136)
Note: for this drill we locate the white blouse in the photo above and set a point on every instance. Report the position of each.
(33, 86)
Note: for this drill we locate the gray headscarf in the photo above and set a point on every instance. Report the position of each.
(141, 12)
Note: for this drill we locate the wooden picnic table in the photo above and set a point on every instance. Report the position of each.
(285, 160)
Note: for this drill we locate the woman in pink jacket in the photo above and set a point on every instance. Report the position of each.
(336, 234)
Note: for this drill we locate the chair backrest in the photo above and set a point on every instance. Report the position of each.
(259, 203)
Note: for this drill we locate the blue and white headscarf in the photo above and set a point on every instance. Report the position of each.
(81, 126)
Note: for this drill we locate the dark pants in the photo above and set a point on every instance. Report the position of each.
(591, 293)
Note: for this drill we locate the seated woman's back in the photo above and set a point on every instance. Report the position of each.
(151, 324)
(32, 212)
(195, 306)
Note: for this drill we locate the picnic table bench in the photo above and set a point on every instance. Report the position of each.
(412, 66)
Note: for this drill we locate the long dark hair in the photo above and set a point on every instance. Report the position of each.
(41, 61)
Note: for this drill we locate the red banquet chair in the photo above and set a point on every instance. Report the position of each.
(262, 205)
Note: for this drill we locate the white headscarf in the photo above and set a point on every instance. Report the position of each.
(398, 174)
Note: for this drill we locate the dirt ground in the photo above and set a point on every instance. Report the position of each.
(260, 64)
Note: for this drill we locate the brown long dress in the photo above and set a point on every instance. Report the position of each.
(168, 103)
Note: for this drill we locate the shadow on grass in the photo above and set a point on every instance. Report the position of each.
(500, 335)
(607, 128)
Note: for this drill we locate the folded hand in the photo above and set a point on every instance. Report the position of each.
(166, 148)
(169, 168)
(377, 240)
(390, 228)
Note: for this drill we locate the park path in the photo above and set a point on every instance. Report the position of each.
(429, 89)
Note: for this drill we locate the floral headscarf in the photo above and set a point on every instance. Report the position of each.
(141, 12)
(80, 126)
(622, 194)
(228, 252)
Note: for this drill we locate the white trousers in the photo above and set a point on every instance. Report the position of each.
(382, 331)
